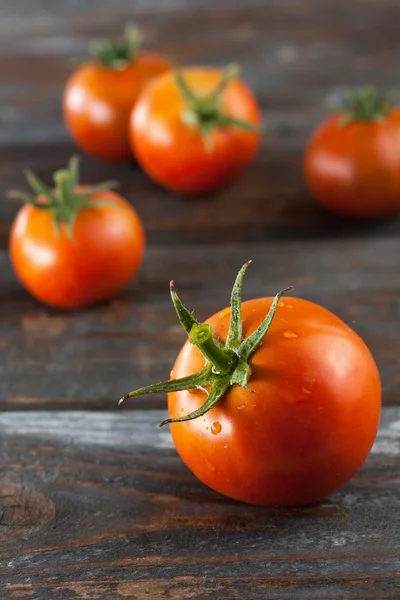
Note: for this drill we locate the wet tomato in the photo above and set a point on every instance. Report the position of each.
(195, 130)
(352, 160)
(75, 245)
(99, 96)
(273, 410)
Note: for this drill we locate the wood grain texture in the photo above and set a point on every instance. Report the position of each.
(91, 358)
(292, 56)
(100, 506)
(95, 504)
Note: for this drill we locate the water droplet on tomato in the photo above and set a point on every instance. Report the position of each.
(209, 465)
(289, 335)
(281, 303)
(305, 391)
(289, 306)
(216, 428)
(226, 445)
(241, 406)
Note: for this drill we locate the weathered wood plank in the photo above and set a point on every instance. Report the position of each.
(100, 506)
(90, 358)
(292, 57)
(141, 429)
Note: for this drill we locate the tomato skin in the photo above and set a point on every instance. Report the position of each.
(308, 427)
(98, 101)
(106, 250)
(174, 154)
(354, 170)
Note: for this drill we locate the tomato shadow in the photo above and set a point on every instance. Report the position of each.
(185, 487)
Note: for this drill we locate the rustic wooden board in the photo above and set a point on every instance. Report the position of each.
(97, 505)
(90, 358)
(292, 55)
(100, 506)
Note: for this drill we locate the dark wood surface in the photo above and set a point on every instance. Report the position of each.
(89, 359)
(94, 502)
(99, 506)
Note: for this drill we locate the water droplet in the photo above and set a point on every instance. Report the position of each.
(241, 406)
(305, 391)
(209, 465)
(226, 445)
(289, 335)
(182, 409)
(281, 303)
(289, 306)
(216, 428)
(172, 374)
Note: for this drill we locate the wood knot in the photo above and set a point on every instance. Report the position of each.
(24, 507)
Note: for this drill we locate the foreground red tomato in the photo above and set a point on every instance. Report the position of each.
(290, 417)
(75, 245)
(99, 96)
(352, 161)
(196, 130)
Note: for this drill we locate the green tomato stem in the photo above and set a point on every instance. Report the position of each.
(118, 54)
(65, 201)
(222, 359)
(227, 365)
(204, 113)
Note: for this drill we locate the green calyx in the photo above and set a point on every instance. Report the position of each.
(65, 200)
(226, 364)
(204, 113)
(118, 54)
(365, 104)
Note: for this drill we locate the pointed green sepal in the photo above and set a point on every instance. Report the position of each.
(218, 389)
(185, 317)
(26, 198)
(234, 337)
(40, 188)
(201, 379)
(251, 343)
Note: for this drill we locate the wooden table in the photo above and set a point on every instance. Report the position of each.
(94, 501)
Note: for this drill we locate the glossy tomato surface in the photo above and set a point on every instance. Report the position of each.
(354, 169)
(174, 153)
(104, 253)
(310, 423)
(98, 101)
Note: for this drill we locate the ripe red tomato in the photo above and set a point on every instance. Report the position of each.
(352, 163)
(196, 130)
(99, 97)
(74, 246)
(303, 411)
